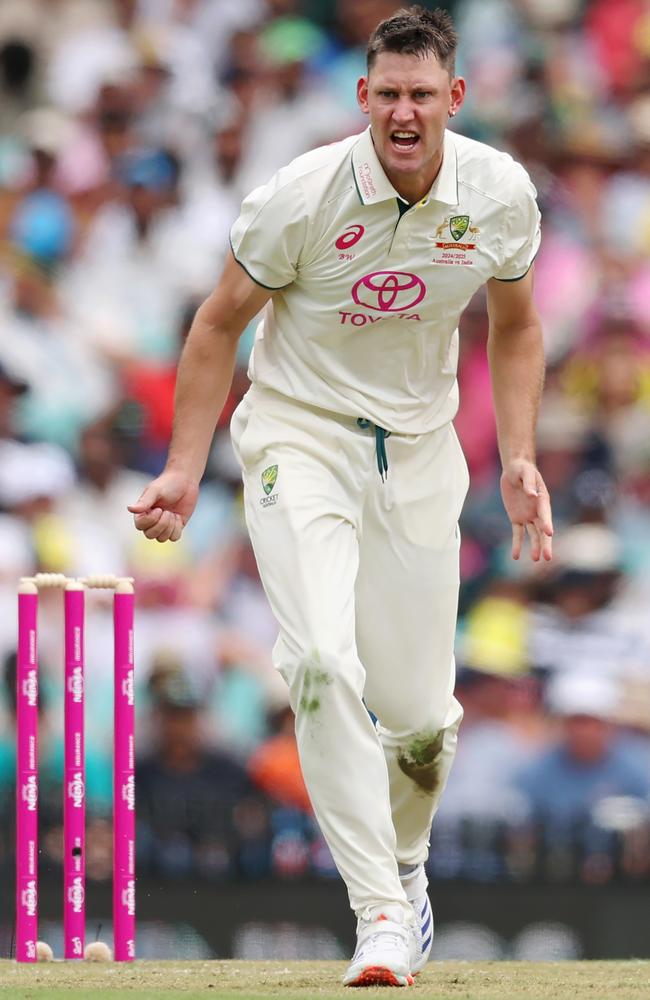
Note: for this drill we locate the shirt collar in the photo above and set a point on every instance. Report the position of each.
(373, 185)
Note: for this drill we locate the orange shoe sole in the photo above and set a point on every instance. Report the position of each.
(379, 975)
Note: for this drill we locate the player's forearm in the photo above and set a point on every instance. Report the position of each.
(203, 381)
(516, 357)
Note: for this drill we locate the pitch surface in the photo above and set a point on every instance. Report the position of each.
(235, 980)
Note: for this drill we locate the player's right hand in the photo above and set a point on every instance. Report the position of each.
(165, 507)
(528, 506)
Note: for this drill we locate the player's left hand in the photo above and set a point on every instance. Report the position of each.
(528, 506)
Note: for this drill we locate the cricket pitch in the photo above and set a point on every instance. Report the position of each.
(235, 980)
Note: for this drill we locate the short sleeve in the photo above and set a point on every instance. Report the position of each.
(268, 237)
(522, 232)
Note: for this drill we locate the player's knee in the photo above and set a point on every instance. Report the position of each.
(403, 716)
(314, 676)
(422, 757)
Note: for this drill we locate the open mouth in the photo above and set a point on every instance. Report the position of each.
(404, 141)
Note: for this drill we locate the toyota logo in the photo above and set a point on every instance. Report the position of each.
(389, 291)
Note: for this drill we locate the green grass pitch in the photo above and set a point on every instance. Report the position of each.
(235, 980)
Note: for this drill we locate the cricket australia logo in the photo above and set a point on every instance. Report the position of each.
(269, 479)
(453, 251)
(457, 226)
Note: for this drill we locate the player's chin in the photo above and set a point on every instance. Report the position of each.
(405, 163)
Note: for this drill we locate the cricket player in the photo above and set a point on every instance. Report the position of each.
(362, 256)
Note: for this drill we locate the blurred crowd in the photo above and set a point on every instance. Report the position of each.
(129, 132)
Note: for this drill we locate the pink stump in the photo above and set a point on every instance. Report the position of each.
(27, 776)
(124, 778)
(74, 777)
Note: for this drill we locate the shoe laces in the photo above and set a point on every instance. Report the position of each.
(383, 932)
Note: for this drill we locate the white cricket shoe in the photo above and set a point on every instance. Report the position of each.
(386, 948)
(415, 886)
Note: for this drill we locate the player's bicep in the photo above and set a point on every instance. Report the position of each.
(510, 303)
(235, 300)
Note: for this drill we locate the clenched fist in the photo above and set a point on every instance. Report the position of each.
(166, 506)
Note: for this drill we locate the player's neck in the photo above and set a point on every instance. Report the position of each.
(414, 187)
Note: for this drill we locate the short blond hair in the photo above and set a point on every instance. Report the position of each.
(416, 31)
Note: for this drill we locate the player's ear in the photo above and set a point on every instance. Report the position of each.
(362, 94)
(458, 88)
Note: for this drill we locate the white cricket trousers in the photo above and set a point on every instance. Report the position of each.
(362, 576)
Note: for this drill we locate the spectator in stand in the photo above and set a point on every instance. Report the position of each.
(610, 379)
(212, 186)
(297, 114)
(577, 627)
(90, 513)
(344, 61)
(568, 448)
(43, 345)
(297, 845)
(11, 389)
(98, 40)
(139, 263)
(188, 793)
(591, 759)
(18, 78)
(275, 766)
(506, 727)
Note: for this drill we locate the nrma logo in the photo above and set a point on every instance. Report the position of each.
(29, 898)
(128, 898)
(76, 685)
(76, 790)
(30, 793)
(127, 688)
(128, 793)
(30, 689)
(76, 895)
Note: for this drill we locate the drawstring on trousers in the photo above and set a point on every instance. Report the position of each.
(380, 445)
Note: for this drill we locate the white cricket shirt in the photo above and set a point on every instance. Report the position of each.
(364, 319)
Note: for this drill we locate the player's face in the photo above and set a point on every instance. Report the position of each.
(409, 99)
